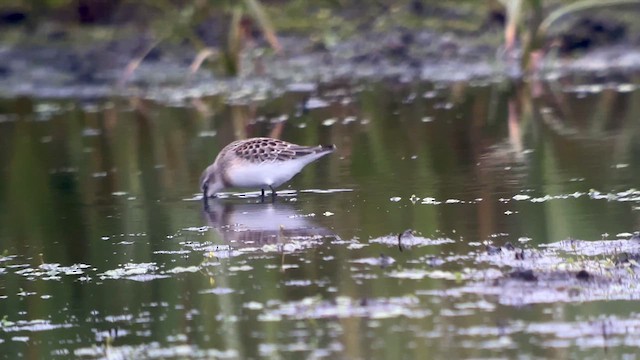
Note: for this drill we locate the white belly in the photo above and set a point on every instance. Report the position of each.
(265, 174)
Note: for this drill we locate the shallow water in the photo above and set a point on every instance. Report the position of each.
(106, 251)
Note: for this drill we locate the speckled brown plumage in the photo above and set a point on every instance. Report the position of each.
(259, 150)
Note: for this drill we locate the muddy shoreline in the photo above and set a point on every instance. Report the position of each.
(62, 69)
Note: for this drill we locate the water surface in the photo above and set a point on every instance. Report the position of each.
(107, 252)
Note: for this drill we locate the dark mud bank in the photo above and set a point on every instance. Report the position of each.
(92, 71)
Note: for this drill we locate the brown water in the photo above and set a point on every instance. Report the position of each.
(107, 253)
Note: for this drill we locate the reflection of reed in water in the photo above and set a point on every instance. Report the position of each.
(258, 224)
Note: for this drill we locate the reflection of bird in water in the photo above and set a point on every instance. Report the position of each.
(406, 239)
(250, 224)
(258, 163)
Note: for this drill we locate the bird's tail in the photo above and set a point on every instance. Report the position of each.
(326, 148)
(314, 150)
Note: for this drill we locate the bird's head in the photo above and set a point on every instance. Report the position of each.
(211, 181)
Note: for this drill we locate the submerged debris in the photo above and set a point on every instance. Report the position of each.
(405, 239)
(434, 261)
(409, 238)
(627, 259)
(383, 261)
(345, 307)
(492, 249)
(583, 275)
(525, 275)
(563, 271)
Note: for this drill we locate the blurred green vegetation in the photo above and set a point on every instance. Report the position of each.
(288, 15)
(221, 30)
(210, 22)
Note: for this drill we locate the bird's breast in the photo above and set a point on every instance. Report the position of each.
(263, 174)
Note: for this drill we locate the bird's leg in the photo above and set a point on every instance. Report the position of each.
(262, 195)
(205, 198)
(273, 194)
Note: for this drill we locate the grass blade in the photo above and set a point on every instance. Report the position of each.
(258, 12)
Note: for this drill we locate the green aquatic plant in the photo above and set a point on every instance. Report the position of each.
(458, 277)
(5, 322)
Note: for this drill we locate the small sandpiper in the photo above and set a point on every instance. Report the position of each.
(258, 163)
